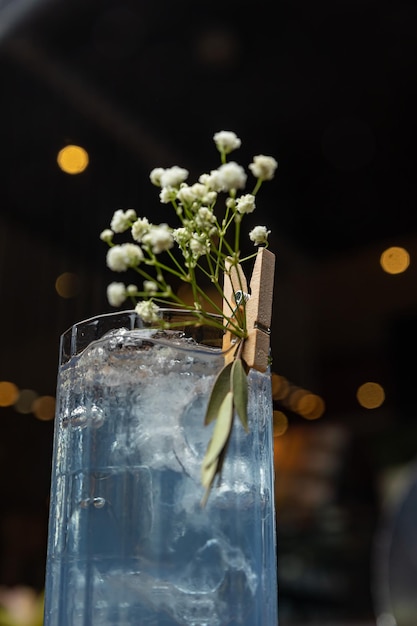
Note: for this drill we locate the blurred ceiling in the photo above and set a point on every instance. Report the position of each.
(328, 88)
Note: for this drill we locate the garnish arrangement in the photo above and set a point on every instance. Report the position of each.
(203, 249)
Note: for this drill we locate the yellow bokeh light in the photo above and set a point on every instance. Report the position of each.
(280, 387)
(395, 260)
(25, 401)
(310, 406)
(295, 397)
(44, 408)
(67, 285)
(72, 159)
(280, 423)
(370, 395)
(8, 393)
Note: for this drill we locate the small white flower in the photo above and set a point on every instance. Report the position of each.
(106, 235)
(156, 175)
(210, 197)
(116, 260)
(131, 214)
(199, 245)
(167, 195)
(263, 167)
(159, 238)
(196, 193)
(199, 190)
(259, 235)
(139, 228)
(205, 218)
(246, 203)
(205, 179)
(116, 294)
(186, 194)
(120, 258)
(173, 176)
(226, 141)
(150, 286)
(131, 290)
(122, 220)
(228, 176)
(148, 311)
(133, 254)
(181, 235)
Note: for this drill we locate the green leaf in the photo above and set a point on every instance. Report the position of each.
(220, 389)
(221, 431)
(240, 391)
(208, 473)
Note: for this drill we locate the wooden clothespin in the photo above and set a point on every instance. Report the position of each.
(234, 282)
(258, 307)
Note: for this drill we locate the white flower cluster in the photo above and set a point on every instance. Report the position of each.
(201, 235)
(118, 292)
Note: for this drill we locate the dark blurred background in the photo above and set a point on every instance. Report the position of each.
(329, 89)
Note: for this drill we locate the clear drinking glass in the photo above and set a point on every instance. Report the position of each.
(129, 542)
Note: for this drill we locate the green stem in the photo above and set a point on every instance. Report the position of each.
(257, 186)
(238, 219)
(158, 265)
(194, 287)
(181, 269)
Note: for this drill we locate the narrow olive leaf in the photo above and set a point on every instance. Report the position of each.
(208, 475)
(221, 430)
(215, 469)
(205, 497)
(219, 391)
(239, 381)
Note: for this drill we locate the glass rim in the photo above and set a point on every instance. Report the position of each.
(80, 335)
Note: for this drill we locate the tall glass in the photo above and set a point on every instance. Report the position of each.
(130, 543)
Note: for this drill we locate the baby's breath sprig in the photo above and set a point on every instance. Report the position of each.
(208, 239)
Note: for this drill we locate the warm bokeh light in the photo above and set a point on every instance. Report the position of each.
(67, 285)
(44, 408)
(280, 423)
(25, 401)
(8, 393)
(310, 406)
(302, 401)
(280, 387)
(395, 260)
(295, 397)
(370, 395)
(72, 159)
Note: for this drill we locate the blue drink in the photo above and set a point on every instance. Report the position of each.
(129, 542)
